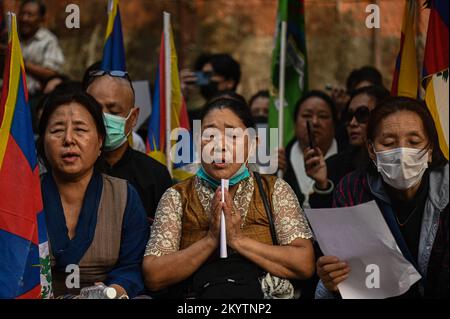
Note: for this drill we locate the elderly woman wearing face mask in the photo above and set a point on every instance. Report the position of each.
(183, 251)
(408, 178)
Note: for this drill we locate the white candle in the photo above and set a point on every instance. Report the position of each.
(223, 230)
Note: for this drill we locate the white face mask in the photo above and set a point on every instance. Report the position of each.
(402, 168)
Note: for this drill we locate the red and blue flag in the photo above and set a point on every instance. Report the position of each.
(435, 78)
(24, 259)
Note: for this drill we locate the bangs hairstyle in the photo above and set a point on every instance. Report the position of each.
(233, 102)
(393, 105)
(54, 101)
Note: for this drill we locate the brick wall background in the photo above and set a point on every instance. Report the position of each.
(337, 38)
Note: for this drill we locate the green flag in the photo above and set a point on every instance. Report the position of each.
(291, 11)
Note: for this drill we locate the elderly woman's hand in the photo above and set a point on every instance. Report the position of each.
(232, 221)
(214, 224)
(332, 271)
(315, 167)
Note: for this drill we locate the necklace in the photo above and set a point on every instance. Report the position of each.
(407, 218)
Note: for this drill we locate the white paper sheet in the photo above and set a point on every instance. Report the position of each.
(360, 236)
(223, 230)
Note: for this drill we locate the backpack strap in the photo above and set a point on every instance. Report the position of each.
(266, 207)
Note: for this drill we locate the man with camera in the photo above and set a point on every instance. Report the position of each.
(214, 74)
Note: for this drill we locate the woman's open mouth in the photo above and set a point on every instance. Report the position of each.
(70, 157)
(219, 163)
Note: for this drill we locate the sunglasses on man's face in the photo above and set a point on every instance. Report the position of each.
(362, 115)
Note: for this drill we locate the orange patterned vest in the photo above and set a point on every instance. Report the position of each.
(195, 221)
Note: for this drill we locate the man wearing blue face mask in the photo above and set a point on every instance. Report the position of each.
(113, 90)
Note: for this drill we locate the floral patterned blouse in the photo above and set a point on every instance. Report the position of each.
(289, 219)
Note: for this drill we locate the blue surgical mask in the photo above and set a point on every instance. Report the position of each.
(115, 131)
(237, 177)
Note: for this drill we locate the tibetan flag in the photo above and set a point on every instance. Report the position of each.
(24, 254)
(406, 74)
(292, 11)
(113, 50)
(435, 69)
(180, 126)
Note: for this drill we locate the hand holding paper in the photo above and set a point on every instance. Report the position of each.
(360, 236)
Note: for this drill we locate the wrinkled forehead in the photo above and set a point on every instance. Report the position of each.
(71, 112)
(222, 118)
(400, 125)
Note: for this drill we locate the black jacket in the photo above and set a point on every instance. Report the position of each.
(150, 178)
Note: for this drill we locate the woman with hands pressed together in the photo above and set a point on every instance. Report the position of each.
(182, 255)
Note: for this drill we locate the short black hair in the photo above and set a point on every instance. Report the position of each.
(55, 100)
(378, 92)
(68, 87)
(223, 64)
(262, 93)
(42, 6)
(365, 73)
(322, 95)
(201, 60)
(399, 103)
(65, 87)
(235, 103)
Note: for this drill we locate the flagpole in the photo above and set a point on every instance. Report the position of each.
(110, 6)
(281, 89)
(168, 88)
